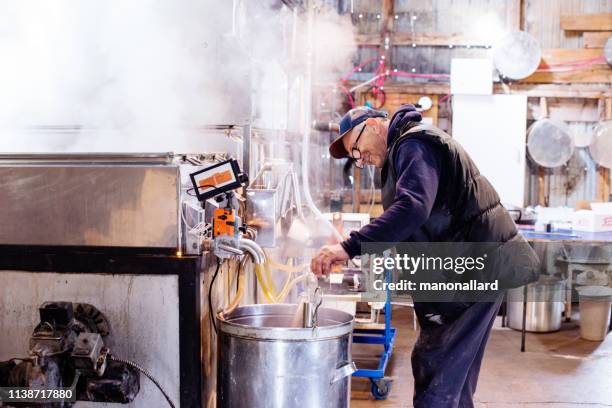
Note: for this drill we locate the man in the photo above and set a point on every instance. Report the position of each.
(431, 192)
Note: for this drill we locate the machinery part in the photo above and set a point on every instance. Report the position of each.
(549, 143)
(147, 374)
(120, 384)
(95, 319)
(56, 313)
(517, 55)
(249, 370)
(224, 222)
(325, 126)
(259, 257)
(52, 336)
(217, 179)
(87, 353)
(66, 346)
(380, 388)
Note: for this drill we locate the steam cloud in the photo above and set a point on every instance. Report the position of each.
(142, 75)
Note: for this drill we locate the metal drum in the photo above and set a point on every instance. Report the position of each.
(265, 362)
(544, 305)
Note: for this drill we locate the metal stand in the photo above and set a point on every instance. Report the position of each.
(380, 385)
(523, 328)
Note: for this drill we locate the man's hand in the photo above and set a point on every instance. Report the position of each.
(325, 258)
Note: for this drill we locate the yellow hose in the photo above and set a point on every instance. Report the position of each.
(264, 288)
(269, 278)
(239, 292)
(269, 292)
(281, 297)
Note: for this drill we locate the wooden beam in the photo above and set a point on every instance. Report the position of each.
(594, 91)
(425, 39)
(595, 39)
(423, 89)
(593, 74)
(565, 55)
(588, 91)
(598, 72)
(587, 22)
(571, 110)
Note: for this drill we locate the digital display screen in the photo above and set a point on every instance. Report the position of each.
(216, 179)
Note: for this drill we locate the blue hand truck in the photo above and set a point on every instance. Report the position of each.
(380, 385)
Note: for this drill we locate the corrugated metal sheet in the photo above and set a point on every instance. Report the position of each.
(542, 20)
(446, 16)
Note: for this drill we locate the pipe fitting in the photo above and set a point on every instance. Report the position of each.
(252, 248)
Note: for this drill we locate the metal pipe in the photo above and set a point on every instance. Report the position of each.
(307, 124)
(230, 249)
(255, 250)
(326, 126)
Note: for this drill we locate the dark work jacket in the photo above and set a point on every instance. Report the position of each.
(466, 209)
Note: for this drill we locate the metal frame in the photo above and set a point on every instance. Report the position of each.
(131, 261)
(385, 336)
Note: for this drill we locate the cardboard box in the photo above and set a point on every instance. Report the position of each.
(598, 219)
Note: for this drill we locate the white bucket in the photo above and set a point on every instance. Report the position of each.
(595, 304)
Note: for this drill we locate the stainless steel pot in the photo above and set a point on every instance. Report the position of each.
(544, 305)
(265, 362)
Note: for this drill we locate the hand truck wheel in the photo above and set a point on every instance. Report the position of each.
(380, 388)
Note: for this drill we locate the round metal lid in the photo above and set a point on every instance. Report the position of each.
(595, 292)
(275, 322)
(517, 55)
(549, 143)
(601, 145)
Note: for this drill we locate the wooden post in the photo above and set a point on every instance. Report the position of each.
(541, 187)
(542, 199)
(356, 189)
(514, 18)
(388, 16)
(603, 173)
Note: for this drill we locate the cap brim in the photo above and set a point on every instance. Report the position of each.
(336, 148)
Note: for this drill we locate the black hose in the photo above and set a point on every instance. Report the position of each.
(147, 374)
(212, 282)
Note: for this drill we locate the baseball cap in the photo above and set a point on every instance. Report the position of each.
(351, 119)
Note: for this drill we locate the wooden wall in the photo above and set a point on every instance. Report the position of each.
(422, 36)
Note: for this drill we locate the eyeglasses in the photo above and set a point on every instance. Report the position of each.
(355, 152)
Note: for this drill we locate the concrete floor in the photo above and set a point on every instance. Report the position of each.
(558, 370)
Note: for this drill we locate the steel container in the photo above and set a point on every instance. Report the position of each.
(545, 303)
(265, 362)
(90, 199)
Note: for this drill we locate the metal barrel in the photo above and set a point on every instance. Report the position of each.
(544, 305)
(265, 362)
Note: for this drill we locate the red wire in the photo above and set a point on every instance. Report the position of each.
(578, 62)
(574, 66)
(443, 99)
(357, 68)
(413, 75)
(348, 95)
